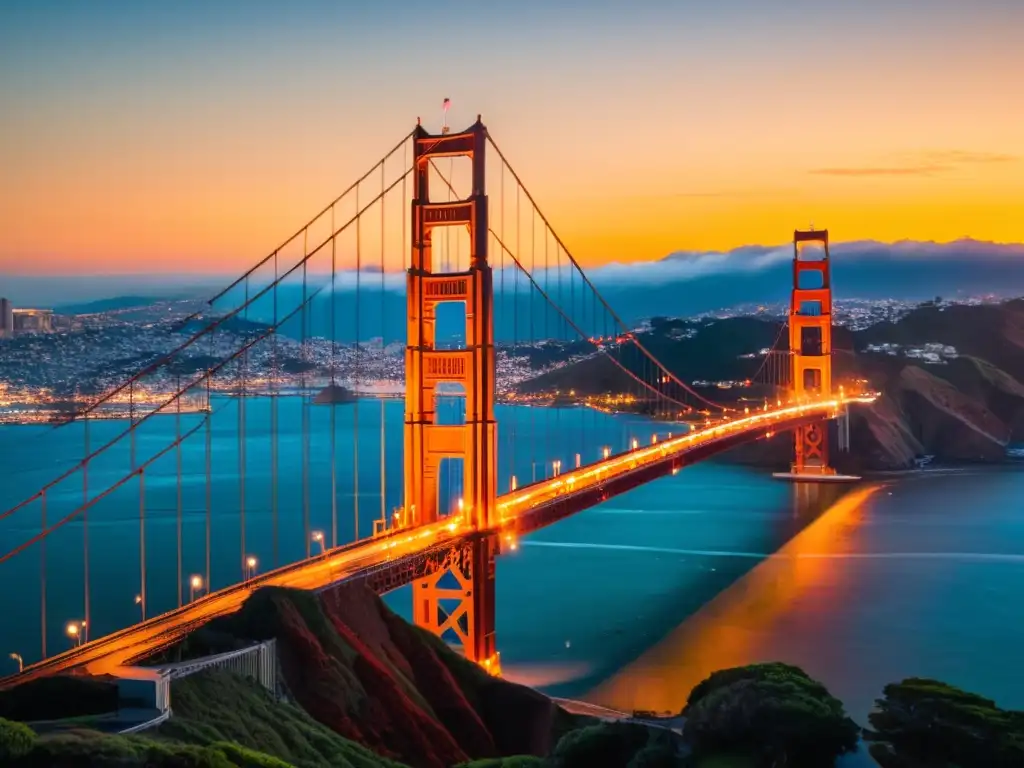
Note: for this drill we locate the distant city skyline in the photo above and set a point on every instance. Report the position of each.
(191, 138)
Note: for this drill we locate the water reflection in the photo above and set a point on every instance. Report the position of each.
(731, 629)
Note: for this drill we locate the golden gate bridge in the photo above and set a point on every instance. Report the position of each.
(477, 240)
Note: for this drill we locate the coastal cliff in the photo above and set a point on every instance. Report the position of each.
(371, 677)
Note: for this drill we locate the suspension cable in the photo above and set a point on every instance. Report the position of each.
(213, 325)
(92, 502)
(589, 284)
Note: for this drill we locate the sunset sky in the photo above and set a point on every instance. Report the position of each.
(192, 136)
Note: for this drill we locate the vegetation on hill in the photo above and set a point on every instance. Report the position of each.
(358, 673)
(920, 723)
(963, 408)
(220, 720)
(89, 749)
(371, 677)
(215, 706)
(773, 713)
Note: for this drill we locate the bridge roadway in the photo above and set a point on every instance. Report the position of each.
(390, 560)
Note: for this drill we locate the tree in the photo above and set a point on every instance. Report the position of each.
(16, 740)
(921, 722)
(773, 712)
(606, 745)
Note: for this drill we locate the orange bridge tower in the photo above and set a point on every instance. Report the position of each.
(810, 344)
(465, 607)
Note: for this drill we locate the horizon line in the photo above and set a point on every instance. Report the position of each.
(370, 270)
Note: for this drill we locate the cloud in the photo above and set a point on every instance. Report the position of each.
(913, 170)
(683, 266)
(690, 265)
(964, 157)
(921, 164)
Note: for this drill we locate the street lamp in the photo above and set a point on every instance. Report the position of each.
(318, 537)
(21, 661)
(194, 583)
(74, 631)
(250, 567)
(142, 605)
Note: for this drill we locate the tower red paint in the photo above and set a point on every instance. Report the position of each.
(810, 344)
(468, 608)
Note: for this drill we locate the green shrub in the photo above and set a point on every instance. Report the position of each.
(655, 756)
(16, 739)
(247, 758)
(606, 745)
(772, 712)
(926, 722)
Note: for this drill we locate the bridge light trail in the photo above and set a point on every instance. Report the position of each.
(107, 654)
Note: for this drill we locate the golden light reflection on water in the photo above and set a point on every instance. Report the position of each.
(728, 630)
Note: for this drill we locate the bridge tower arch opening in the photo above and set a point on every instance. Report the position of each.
(810, 344)
(464, 606)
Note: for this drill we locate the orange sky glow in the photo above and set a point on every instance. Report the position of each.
(143, 159)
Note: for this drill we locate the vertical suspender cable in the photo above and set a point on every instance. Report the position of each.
(142, 541)
(86, 613)
(533, 296)
(209, 472)
(334, 383)
(177, 436)
(42, 574)
(243, 365)
(406, 211)
(383, 345)
(356, 403)
(501, 278)
(274, 397)
(515, 302)
(304, 400)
